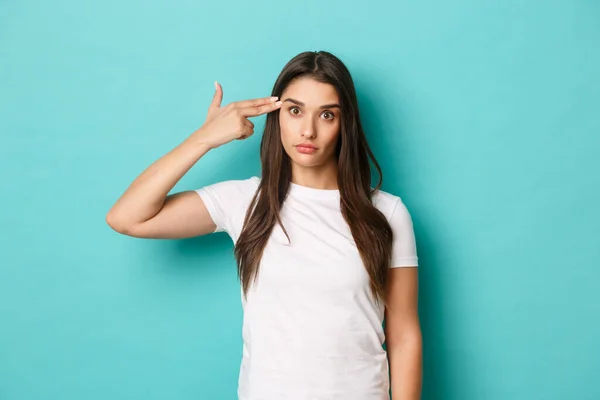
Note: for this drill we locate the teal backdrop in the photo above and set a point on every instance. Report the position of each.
(483, 114)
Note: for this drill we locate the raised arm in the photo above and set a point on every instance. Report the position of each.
(146, 210)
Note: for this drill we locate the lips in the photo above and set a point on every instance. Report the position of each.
(306, 146)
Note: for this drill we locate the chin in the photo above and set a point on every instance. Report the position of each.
(305, 162)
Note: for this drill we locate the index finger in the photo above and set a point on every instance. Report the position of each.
(257, 102)
(254, 111)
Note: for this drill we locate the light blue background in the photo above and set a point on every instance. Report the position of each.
(483, 114)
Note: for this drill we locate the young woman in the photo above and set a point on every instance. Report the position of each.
(319, 250)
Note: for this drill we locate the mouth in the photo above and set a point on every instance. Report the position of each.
(306, 148)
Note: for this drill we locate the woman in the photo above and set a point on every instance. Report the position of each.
(318, 249)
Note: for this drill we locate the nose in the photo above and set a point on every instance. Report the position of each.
(308, 129)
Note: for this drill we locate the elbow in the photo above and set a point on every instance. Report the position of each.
(406, 336)
(116, 224)
(407, 345)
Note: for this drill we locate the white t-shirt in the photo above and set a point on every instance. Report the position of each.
(311, 328)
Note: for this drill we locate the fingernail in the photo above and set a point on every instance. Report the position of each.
(278, 103)
(273, 98)
(216, 87)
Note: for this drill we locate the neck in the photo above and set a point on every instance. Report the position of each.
(319, 177)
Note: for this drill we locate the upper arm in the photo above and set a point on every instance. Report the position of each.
(401, 312)
(219, 207)
(404, 247)
(183, 215)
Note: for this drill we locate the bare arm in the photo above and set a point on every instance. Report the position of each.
(146, 210)
(403, 334)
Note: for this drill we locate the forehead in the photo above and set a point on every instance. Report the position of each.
(310, 92)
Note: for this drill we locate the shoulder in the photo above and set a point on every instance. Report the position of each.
(227, 202)
(388, 203)
(404, 248)
(231, 196)
(232, 189)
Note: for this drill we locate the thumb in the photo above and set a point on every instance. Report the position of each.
(218, 97)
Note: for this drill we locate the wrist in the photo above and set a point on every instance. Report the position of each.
(200, 138)
(197, 145)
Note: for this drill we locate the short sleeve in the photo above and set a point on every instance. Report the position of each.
(227, 202)
(404, 248)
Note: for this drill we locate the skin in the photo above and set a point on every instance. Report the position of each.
(403, 334)
(302, 119)
(312, 123)
(147, 210)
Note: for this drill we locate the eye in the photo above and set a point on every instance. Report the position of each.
(330, 113)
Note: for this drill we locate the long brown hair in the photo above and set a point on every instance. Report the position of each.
(370, 229)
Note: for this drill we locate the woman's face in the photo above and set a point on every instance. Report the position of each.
(309, 116)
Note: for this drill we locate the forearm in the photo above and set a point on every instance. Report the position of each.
(145, 196)
(405, 359)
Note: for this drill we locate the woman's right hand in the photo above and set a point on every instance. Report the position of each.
(224, 124)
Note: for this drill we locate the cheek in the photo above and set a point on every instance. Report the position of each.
(332, 134)
(287, 130)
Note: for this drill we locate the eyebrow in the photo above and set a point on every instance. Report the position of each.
(335, 105)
